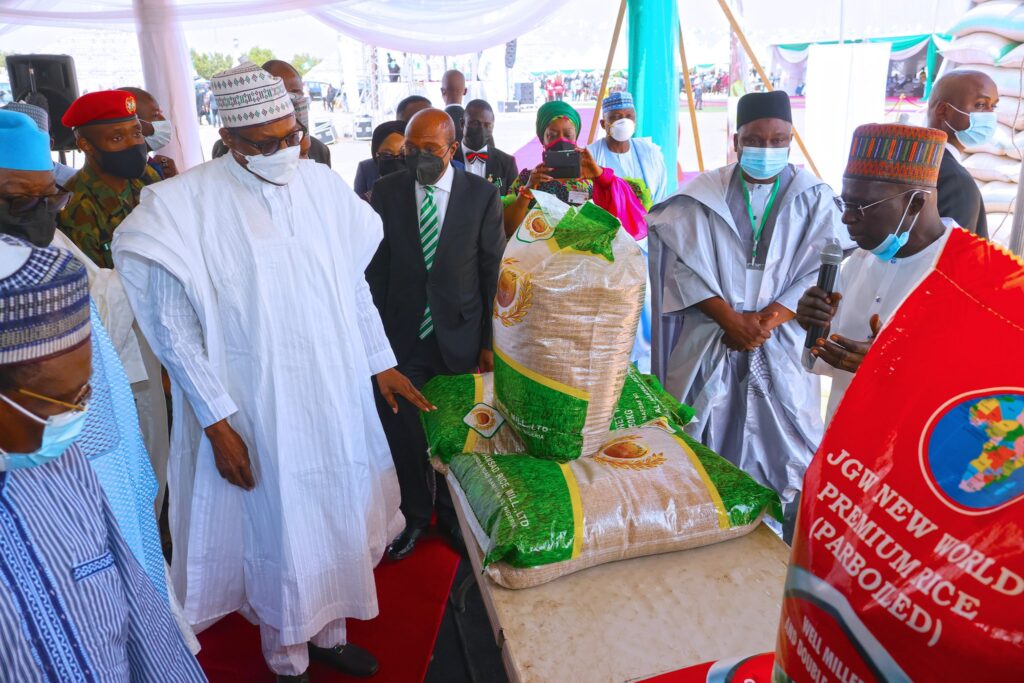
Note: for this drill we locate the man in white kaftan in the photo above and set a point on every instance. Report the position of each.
(628, 156)
(731, 254)
(891, 212)
(246, 274)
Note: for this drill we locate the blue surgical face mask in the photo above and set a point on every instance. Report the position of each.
(893, 242)
(764, 163)
(59, 432)
(981, 129)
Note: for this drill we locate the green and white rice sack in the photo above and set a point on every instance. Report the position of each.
(569, 296)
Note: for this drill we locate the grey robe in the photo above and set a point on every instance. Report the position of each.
(761, 410)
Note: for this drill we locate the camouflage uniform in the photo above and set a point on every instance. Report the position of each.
(95, 211)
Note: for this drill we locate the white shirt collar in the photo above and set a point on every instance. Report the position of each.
(955, 152)
(444, 183)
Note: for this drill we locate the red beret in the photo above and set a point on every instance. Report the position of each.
(102, 106)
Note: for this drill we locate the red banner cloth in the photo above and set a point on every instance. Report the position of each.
(908, 562)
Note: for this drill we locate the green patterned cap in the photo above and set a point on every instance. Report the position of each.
(249, 96)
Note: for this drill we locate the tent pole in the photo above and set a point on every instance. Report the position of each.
(764, 77)
(607, 72)
(689, 98)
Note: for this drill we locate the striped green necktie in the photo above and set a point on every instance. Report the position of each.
(430, 230)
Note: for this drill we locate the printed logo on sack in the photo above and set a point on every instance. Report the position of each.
(484, 420)
(514, 296)
(972, 451)
(629, 453)
(535, 228)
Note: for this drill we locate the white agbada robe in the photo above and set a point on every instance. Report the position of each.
(291, 331)
(871, 286)
(761, 411)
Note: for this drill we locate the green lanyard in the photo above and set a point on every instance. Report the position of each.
(758, 229)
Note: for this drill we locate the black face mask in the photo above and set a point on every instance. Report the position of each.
(476, 139)
(427, 167)
(390, 165)
(36, 225)
(127, 163)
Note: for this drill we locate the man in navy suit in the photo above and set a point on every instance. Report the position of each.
(433, 280)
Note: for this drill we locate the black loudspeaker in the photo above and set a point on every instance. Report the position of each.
(524, 93)
(48, 81)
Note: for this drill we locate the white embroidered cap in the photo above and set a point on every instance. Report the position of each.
(249, 96)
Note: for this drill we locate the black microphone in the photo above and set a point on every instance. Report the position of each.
(831, 258)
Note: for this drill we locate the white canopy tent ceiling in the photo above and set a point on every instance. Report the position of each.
(449, 27)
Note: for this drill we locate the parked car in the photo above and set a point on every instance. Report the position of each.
(317, 90)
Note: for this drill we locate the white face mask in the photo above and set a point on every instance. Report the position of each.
(622, 129)
(161, 134)
(279, 168)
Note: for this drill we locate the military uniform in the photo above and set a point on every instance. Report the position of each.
(96, 209)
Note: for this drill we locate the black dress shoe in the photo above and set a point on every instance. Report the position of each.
(301, 678)
(349, 659)
(402, 546)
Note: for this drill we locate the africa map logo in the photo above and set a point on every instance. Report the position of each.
(974, 451)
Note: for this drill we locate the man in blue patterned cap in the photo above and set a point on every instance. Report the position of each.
(111, 441)
(635, 159)
(74, 602)
(629, 157)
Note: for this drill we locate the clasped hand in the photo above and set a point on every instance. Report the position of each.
(748, 331)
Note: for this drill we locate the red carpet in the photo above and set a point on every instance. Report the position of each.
(412, 596)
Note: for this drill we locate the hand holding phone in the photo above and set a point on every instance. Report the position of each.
(563, 163)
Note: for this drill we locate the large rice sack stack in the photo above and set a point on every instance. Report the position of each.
(569, 297)
(647, 490)
(990, 38)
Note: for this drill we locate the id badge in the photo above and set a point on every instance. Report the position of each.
(752, 286)
(577, 198)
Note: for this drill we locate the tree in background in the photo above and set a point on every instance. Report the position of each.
(207, 64)
(259, 55)
(304, 62)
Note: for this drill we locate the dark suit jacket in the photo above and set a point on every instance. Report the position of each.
(462, 282)
(318, 151)
(960, 198)
(366, 175)
(501, 168)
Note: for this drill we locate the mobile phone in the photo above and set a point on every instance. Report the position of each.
(563, 163)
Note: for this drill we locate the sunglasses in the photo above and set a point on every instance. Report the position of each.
(270, 147)
(20, 204)
(858, 209)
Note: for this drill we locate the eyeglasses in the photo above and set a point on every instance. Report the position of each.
(80, 402)
(270, 147)
(858, 209)
(22, 204)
